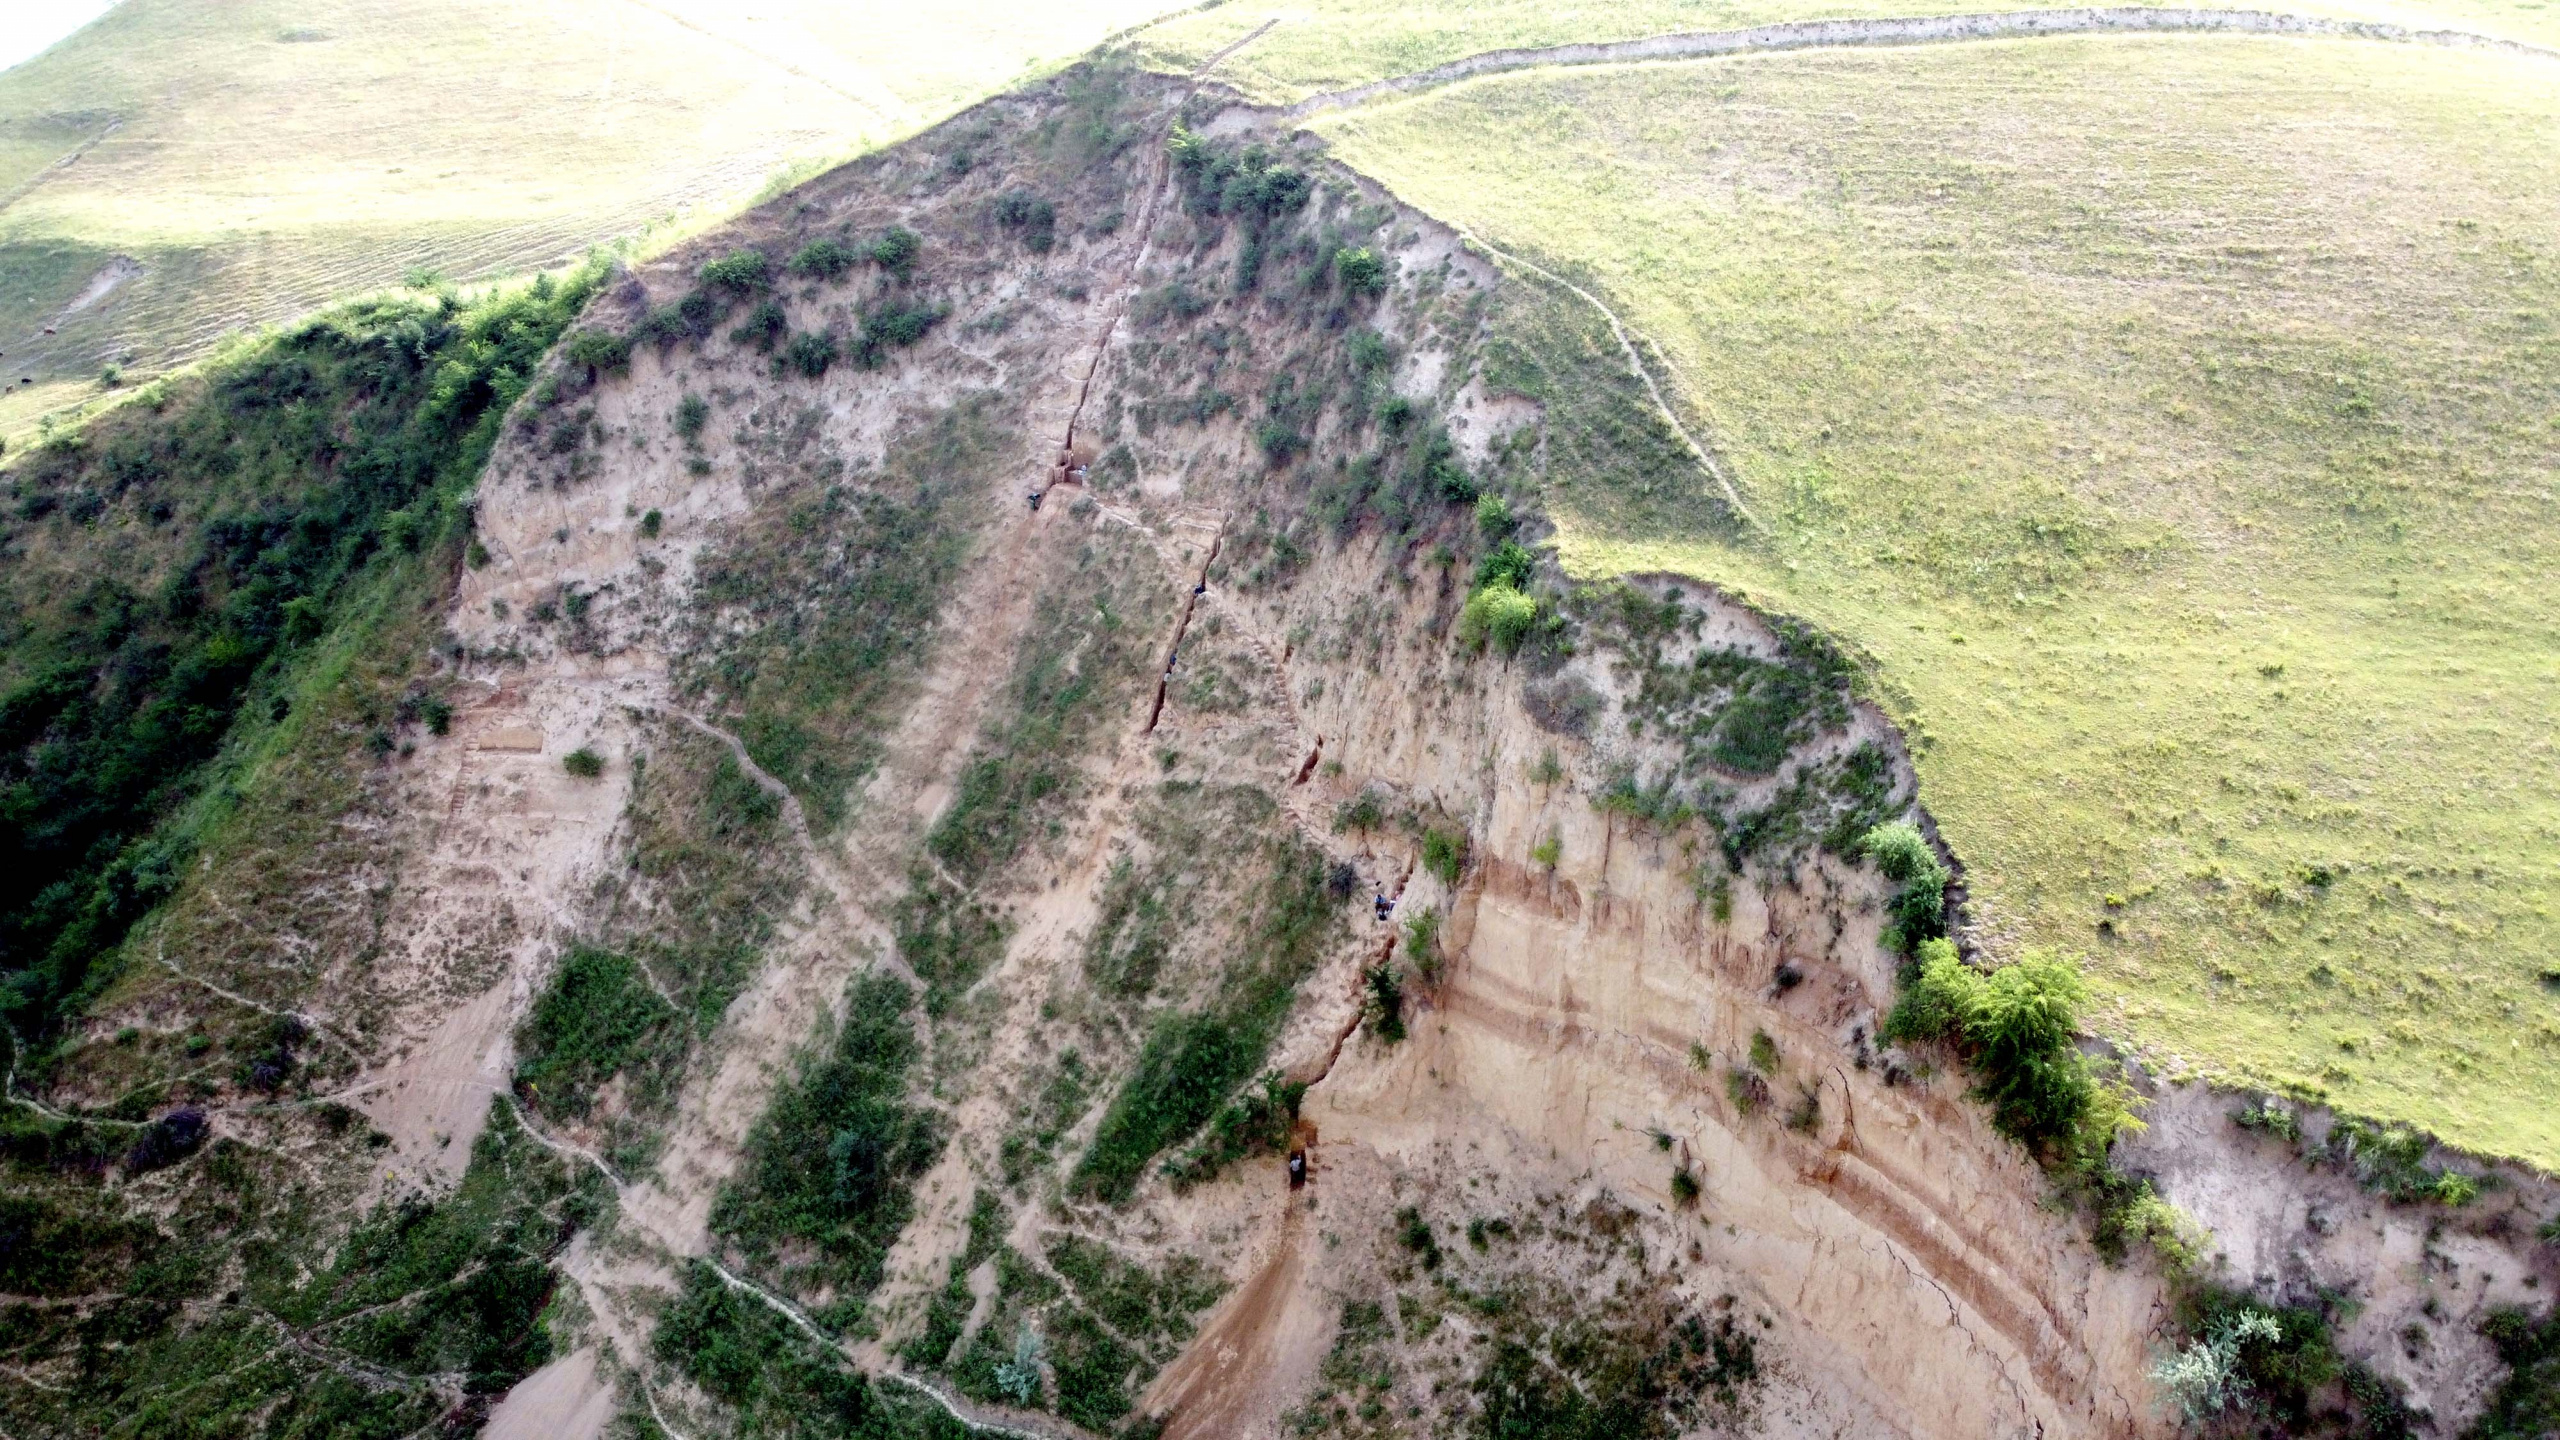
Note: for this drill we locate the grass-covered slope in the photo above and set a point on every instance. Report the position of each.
(1334, 44)
(254, 161)
(2176, 424)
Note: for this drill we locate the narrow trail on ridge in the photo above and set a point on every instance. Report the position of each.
(1904, 30)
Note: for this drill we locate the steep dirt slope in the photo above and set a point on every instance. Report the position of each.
(993, 887)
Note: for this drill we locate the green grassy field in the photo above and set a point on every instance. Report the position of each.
(258, 159)
(2175, 422)
(1329, 44)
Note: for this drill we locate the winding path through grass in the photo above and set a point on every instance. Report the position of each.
(1901, 30)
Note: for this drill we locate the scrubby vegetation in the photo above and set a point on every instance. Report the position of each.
(1193, 1062)
(1919, 904)
(775, 1377)
(830, 1168)
(1559, 1340)
(2278, 1366)
(819, 610)
(2016, 1027)
(1735, 717)
(180, 581)
(422, 1309)
(597, 1016)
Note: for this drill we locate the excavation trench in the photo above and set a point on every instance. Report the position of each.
(1182, 627)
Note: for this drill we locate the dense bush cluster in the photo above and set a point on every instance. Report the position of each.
(2015, 1026)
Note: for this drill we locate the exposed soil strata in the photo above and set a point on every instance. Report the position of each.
(1607, 1071)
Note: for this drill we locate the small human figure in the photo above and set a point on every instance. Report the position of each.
(1034, 498)
(1297, 1168)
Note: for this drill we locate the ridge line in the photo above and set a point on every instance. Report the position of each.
(1850, 33)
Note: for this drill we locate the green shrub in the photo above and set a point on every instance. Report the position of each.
(692, 413)
(1382, 1002)
(1684, 1187)
(1764, 1053)
(1444, 853)
(893, 325)
(598, 350)
(1547, 852)
(2270, 1116)
(896, 250)
(1422, 942)
(583, 762)
(1360, 814)
(651, 523)
(1498, 615)
(1919, 904)
(741, 271)
(1493, 518)
(2015, 1026)
(1360, 270)
(824, 258)
(596, 1016)
(1368, 352)
(810, 352)
(1035, 219)
(763, 328)
(1899, 850)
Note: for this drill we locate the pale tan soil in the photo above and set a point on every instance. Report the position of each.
(564, 1400)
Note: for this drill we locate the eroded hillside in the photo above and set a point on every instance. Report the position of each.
(992, 709)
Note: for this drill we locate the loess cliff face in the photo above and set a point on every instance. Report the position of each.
(937, 917)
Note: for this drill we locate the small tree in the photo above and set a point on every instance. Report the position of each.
(1919, 903)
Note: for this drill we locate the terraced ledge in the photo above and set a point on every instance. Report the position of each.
(1906, 30)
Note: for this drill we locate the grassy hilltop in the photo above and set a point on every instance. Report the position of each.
(2176, 423)
(1331, 44)
(251, 162)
